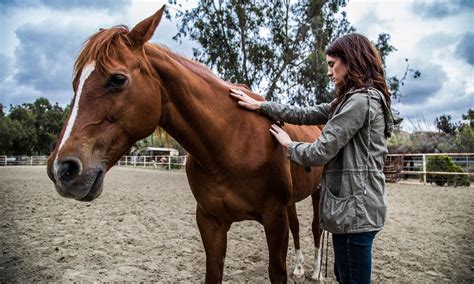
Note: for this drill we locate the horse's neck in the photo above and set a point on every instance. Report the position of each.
(196, 110)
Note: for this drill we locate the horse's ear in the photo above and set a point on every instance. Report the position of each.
(144, 30)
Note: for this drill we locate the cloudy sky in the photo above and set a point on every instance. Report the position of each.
(41, 39)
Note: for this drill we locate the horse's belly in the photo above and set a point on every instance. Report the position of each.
(304, 183)
(226, 204)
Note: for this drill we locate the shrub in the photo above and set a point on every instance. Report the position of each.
(444, 163)
(176, 163)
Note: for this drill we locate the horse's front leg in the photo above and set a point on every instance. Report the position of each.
(298, 273)
(275, 224)
(317, 273)
(214, 237)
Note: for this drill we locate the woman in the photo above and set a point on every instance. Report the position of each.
(353, 146)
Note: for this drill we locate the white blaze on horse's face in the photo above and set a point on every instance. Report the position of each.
(86, 72)
(112, 97)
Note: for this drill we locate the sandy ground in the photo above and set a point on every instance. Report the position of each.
(142, 228)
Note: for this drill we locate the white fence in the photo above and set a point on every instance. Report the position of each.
(406, 165)
(155, 162)
(397, 165)
(23, 160)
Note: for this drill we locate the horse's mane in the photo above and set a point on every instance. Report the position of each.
(194, 66)
(101, 46)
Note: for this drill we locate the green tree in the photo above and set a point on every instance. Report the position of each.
(276, 48)
(22, 132)
(464, 136)
(444, 124)
(30, 128)
(464, 140)
(48, 122)
(15, 138)
(469, 117)
(5, 135)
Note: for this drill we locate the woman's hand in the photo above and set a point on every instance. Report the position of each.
(252, 104)
(280, 135)
(244, 100)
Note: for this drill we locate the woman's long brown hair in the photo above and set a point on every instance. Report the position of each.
(365, 68)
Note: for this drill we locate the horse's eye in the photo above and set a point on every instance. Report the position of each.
(117, 80)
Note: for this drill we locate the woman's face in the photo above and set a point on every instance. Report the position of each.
(337, 70)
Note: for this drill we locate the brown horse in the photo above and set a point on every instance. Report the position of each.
(125, 87)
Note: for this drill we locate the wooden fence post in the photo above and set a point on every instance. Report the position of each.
(424, 169)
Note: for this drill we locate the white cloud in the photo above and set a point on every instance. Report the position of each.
(41, 40)
(429, 38)
(433, 44)
(13, 93)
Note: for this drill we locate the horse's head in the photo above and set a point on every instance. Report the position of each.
(117, 102)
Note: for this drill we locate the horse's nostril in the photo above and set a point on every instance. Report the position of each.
(69, 170)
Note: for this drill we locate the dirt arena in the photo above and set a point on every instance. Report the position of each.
(142, 228)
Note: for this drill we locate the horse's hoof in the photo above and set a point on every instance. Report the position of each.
(317, 277)
(298, 279)
(298, 274)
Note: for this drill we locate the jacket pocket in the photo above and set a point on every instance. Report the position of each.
(337, 213)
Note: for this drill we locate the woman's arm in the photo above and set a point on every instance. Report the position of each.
(336, 134)
(318, 114)
(278, 112)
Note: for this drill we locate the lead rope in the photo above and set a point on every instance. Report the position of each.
(322, 255)
(321, 258)
(327, 248)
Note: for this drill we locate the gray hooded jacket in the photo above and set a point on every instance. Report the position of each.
(353, 146)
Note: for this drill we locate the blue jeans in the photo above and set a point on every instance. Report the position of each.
(353, 257)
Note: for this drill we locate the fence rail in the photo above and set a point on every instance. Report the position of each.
(156, 162)
(23, 160)
(399, 166)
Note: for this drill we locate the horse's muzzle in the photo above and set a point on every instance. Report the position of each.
(73, 181)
